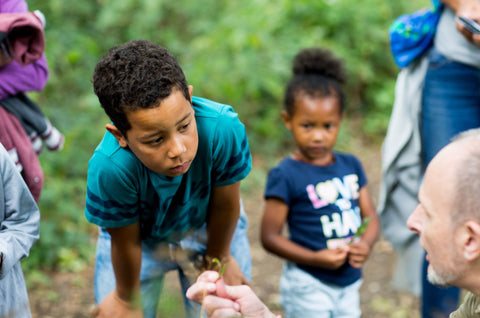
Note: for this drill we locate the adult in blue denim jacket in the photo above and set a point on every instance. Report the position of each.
(19, 229)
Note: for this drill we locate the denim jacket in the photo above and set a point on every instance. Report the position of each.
(19, 229)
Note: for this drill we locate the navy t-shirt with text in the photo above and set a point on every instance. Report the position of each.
(323, 207)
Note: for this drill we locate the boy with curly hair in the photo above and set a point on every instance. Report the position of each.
(163, 184)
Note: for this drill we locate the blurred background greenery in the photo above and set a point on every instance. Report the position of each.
(235, 52)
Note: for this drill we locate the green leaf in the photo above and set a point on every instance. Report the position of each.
(222, 267)
(360, 230)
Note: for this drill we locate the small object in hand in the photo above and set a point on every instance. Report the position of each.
(222, 267)
(471, 25)
(361, 229)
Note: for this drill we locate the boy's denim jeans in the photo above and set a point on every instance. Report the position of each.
(167, 257)
(451, 104)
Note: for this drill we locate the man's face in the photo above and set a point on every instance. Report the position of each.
(164, 138)
(432, 221)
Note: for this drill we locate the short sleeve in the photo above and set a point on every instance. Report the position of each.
(277, 186)
(362, 177)
(231, 152)
(112, 199)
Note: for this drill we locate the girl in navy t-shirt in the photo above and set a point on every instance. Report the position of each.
(322, 195)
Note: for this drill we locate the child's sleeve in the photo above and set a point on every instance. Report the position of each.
(231, 152)
(112, 199)
(362, 177)
(277, 186)
(19, 215)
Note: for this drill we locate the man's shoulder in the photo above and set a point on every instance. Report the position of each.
(470, 307)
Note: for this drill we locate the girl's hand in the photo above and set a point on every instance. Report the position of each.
(358, 254)
(333, 258)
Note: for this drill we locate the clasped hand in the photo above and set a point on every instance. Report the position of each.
(220, 300)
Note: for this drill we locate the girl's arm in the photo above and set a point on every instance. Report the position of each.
(359, 251)
(274, 218)
(367, 209)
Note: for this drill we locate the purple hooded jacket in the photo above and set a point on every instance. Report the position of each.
(15, 78)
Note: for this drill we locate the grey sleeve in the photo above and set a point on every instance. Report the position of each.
(19, 215)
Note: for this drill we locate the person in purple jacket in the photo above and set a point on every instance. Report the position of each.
(15, 81)
(15, 78)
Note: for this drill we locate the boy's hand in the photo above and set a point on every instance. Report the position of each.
(333, 258)
(358, 253)
(115, 307)
(233, 274)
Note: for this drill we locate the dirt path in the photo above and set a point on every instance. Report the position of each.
(70, 295)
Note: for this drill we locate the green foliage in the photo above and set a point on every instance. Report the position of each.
(219, 264)
(236, 52)
(360, 230)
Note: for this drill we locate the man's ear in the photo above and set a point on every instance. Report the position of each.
(286, 119)
(471, 240)
(117, 134)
